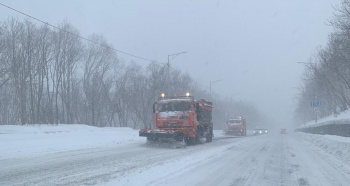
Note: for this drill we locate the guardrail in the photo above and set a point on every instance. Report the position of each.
(332, 129)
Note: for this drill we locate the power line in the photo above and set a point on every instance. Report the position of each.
(81, 37)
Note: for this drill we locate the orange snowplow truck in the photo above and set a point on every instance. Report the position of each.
(236, 126)
(181, 118)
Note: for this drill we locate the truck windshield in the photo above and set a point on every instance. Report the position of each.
(173, 106)
(234, 121)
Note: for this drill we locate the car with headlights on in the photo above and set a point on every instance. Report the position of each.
(260, 131)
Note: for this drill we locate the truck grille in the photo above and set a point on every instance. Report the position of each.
(173, 125)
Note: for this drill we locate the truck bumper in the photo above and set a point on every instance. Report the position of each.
(157, 133)
(177, 134)
(234, 132)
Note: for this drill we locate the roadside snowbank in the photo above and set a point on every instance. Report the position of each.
(342, 118)
(18, 141)
(30, 140)
(336, 146)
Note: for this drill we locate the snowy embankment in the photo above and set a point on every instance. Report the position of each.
(336, 146)
(334, 125)
(342, 118)
(30, 140)
(19, 141)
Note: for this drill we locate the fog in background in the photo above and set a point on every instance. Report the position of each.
(253, 46)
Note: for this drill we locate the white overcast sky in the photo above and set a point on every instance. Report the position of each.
(253, 45)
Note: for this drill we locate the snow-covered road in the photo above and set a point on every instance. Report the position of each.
(265, 160)
(273, 159)
(95, 165)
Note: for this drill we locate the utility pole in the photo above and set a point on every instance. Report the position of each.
(212, 82)
(168, 70)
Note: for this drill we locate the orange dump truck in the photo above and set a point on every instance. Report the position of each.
(181, 118)
(236, 126)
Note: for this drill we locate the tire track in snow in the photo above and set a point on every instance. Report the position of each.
(281, 160)
(92, 166)
(317, 167)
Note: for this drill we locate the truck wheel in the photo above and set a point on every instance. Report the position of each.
(190, 141)
(151, 139)
(210, 136)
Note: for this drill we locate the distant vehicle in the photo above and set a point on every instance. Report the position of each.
(259, 131)
(283, 131)
(236, 126)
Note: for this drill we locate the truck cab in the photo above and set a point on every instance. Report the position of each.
(181, 118)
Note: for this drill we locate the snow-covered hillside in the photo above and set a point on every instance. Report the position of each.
(342, 118)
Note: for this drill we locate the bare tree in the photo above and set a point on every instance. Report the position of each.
(95, 82)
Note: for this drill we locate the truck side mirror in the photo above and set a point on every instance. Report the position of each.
(154, 107)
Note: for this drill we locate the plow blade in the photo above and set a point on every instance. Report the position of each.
(157, 133)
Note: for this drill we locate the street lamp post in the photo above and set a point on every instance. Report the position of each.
(307, 64)
(302, 62)
(173, 56)
(212, 82)
(232, 95)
